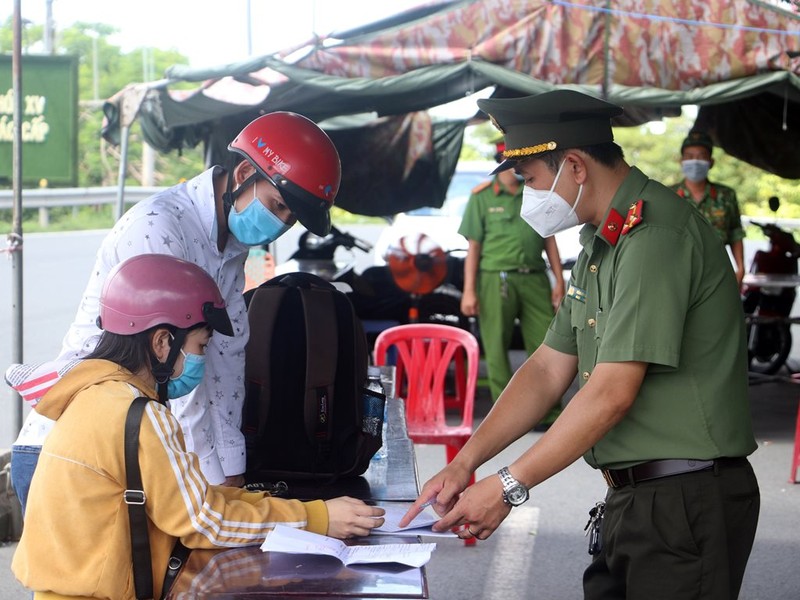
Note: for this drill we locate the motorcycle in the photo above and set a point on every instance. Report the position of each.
(767, 308)
(378, 294)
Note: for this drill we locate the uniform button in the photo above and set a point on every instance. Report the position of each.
(593, 268)
(585, 375)
(591, 322)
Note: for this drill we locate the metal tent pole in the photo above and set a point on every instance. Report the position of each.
(123, 168)
(15, 238)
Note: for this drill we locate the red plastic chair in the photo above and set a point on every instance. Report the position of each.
(424, 354)
(796, 451)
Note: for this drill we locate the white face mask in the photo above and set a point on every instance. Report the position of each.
(546, 211)
(695, 170)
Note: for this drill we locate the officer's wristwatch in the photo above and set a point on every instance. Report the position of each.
(514, 493)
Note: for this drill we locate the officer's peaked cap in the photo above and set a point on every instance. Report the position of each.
(553, 120)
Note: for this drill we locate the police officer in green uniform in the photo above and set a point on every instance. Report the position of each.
(717, 202)
(653, 326)
(505, 275)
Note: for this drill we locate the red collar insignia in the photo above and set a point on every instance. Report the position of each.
(634, 216)
(612, 227)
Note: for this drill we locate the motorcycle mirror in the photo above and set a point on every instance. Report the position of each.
(774, 203)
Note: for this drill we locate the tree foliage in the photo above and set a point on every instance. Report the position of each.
(655, 149)
(98, 160)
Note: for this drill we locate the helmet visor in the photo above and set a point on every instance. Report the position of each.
(217, 319)
(312, 212)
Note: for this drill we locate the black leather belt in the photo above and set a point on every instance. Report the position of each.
(656, 469)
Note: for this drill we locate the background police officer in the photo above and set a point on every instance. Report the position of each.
(505, 276)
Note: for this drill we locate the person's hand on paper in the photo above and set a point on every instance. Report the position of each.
(480, 509)
(440, 492)
(348, 517)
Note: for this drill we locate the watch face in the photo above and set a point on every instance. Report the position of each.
(517, 495)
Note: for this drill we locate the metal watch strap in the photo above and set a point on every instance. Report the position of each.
(507, 479)
(514, 492)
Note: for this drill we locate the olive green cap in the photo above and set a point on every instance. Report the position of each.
(554, 120)
(698, 138)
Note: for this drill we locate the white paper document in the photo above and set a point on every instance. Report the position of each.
(421, 525)
(298, 541)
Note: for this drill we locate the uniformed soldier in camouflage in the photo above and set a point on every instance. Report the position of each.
(717, 202)
(653, 326)
(505, 276)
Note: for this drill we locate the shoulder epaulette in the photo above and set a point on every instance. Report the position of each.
(481, 186)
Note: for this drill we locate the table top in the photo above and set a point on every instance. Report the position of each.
(244, 573)
(771, 280)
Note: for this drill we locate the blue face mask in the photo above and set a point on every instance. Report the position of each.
(194, 365)
(256, 225)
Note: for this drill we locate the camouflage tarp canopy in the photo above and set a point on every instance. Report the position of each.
(739, 60)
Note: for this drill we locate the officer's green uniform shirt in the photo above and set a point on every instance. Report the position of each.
(507, 242)
(720, 206)
(661, 292)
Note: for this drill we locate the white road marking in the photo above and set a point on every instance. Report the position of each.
(513, 554)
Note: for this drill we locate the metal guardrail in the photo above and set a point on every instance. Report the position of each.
(56, 197)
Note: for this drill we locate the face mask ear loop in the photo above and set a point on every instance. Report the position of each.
(553, 189)
(558, 176)
(163, 371)
(577, 200)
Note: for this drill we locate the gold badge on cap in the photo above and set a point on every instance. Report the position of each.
(530, 150)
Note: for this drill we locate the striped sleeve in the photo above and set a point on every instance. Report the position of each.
(182, 503)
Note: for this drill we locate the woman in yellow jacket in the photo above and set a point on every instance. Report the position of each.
(157, 313)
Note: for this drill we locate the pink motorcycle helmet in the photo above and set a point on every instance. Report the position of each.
(157, 289)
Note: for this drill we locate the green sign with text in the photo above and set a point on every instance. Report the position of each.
(49, 120)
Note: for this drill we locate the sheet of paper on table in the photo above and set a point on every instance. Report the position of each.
(298, 541)
(421, 525)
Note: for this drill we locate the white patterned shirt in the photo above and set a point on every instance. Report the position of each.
(179, 221)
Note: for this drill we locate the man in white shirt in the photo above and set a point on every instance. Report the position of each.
(289, 170)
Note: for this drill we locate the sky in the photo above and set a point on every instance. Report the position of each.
(212, 32)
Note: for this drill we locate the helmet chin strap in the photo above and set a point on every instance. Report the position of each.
(163, 371)
(230, 195)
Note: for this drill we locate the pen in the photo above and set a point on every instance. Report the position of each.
(425, 505)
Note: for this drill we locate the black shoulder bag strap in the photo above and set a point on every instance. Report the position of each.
(135, 499)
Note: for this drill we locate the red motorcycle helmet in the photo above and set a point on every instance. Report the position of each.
(157, 289)
(300, 159)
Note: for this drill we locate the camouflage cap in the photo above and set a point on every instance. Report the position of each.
(698, 138)
(554, 120)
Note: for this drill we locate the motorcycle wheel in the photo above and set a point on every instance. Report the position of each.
(768, 347)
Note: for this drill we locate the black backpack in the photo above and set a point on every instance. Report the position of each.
(306, 365)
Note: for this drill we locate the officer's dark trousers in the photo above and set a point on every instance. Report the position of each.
(678, 538)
